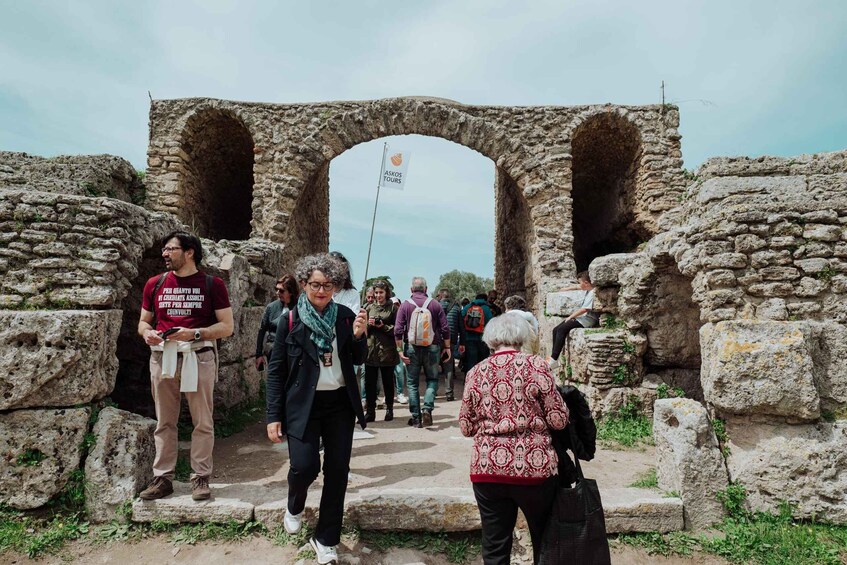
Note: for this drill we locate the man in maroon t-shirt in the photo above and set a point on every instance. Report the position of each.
(183, 312)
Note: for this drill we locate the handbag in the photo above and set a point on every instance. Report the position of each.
(576, 530)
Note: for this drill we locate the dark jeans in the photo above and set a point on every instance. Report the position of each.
(560, 336)
(498, 509)
(475, 351)
(426, 358)
(371, 374)
(332, 420)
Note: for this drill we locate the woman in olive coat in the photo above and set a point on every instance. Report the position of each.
(382, 352)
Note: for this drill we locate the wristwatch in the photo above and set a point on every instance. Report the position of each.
(196, 335)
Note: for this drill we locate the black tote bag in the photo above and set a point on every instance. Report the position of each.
(576, 531)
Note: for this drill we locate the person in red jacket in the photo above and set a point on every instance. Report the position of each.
(509, 406)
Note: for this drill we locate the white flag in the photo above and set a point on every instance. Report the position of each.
(394, 172)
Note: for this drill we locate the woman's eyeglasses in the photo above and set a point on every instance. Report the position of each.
(327, 286)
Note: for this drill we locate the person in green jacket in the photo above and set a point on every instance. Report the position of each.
(382, 353)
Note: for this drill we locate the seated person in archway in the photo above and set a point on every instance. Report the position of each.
(582, 317)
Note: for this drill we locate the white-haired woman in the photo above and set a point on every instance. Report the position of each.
(509, 406)
(313, 396)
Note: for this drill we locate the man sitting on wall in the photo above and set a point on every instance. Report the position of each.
(183, 312)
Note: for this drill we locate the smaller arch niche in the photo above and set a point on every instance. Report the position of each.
(218, 180)
(606, 150)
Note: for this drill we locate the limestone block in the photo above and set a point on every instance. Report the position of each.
(822, 232)
(237, 383)
(563, 303)
(617, 398)
(829, 362)
(772, 309)
(605, 359)
(39, 449)
(604, 271)
(242, 343)
(812, 266)
(760, 367)
(57, 357)
(120, 465)
(689, 460)
(416, 509)
(805, 465)
(179, 507)
(628, 510)
(723, 187)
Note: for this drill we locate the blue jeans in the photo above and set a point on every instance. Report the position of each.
(426, 357)
(399, 377)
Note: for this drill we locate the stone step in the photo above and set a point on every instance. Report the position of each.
(417, 509)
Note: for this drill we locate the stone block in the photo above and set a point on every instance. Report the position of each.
(617, 398)
(805, 465)
(772, 309)
(237, 383)
(563, 303)
(120, 465)
(812, 266)
(822, 232)
(39, 449)
(179, 507)
(760, 367)
(605, 359)
(57, 357)
(241, 345)
(829, 364)
(605, 270)
(719, 188)
(689, 459)
(416, 509)
(629, 510)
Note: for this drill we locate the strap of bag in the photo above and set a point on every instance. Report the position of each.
(572, 432)
(156, 288)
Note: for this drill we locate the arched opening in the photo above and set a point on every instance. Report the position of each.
(448, 192)
(217, 180)
(606, 151)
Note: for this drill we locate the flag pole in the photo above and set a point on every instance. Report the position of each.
(373, 222)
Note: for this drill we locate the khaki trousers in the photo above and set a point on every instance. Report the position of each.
(167, 398)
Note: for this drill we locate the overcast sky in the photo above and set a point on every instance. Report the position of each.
(750, 78)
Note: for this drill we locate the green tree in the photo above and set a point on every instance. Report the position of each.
(462, 284)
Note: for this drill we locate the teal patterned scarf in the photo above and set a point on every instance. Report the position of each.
(322, 326)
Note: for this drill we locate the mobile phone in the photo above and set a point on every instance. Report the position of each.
(166, 333)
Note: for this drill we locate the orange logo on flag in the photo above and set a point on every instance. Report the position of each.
(397, 159)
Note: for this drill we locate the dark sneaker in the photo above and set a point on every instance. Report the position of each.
(200, 488)
(389, 415)
(426, 418)
(414, 422)
(159, 488)
(450, 396)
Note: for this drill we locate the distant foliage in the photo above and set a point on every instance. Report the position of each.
(462, 284)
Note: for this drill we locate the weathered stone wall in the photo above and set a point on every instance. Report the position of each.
(80, 175)
(294, 143)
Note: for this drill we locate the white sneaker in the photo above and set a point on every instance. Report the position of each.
(325, 553)
(292, 522)
(401, 399)
(552, 363)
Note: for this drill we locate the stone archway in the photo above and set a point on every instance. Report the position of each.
(606, 150)
(308, 228)
(217, 182)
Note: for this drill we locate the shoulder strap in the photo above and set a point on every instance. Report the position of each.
(156, 288)
(426, 303)
(209, 282)
(290, 320)
(412, 302)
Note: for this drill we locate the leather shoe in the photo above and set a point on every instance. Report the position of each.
(389, 415)
(414, 422)
(426, 417)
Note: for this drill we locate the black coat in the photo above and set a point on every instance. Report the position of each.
(294, 369)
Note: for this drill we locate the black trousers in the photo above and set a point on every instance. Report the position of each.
(371, 374)
(560, 336)
(498, 509)
(332, 420)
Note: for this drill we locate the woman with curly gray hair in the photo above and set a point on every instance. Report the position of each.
(313, 396)
(510, 404)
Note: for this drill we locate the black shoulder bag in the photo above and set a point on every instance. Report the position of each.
(576, 530)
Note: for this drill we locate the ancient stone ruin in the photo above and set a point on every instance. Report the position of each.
(728, 285)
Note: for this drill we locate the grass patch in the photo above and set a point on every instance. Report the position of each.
(36, 536)
(458, 547)
(647, 480)
(627, 427)
(748, 537)
(182, 471)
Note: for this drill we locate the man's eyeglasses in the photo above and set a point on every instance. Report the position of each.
(327, 286)
(170, 249)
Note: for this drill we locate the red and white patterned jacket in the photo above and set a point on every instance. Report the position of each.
(509, 405)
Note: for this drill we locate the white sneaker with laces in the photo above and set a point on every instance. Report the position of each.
(292, 522)
(552, 363)
(401, 399)
(325, 553)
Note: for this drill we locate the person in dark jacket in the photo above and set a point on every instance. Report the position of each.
(472, 346)
(313, 396)
(287, 292)
(454, 322)
(382, 353)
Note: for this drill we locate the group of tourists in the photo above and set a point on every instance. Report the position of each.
(317, 341)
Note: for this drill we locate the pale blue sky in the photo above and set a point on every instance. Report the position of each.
(74, 78)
